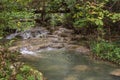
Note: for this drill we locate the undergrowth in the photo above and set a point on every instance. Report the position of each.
(107, 51)
(12, 69)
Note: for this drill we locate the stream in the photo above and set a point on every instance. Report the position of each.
(61, 64)
(51, 54)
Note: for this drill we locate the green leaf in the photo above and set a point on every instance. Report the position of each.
(19, 77)
(31, 77)
(99, 22)
(1, 37)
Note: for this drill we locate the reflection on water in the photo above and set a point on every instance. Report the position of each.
(67, 65)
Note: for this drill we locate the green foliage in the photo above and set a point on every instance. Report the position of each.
(90, 13)
(19, 77)
(15, 15)
(95, 14)
(57, 19)
(26, 72)
(115, 17)
(106, 50)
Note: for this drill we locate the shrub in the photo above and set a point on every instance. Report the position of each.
(106, 50)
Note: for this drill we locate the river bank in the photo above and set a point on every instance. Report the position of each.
(13, 69)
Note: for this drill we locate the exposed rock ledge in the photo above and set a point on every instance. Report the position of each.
(78, 48)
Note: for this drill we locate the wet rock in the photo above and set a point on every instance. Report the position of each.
(78, 48)
(72, 42)
(82, 49)
(72, 46)
(71, 77)
(81, 68)
(37, 47)
(63, 32)
(14, 48)
(57, 40)
(53, 36)
(57, 45)
(67, 39)
(54, 40)
(116, 72)
(30, 44)
(76, 37)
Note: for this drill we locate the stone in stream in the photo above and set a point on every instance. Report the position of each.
(116, 72)
(71, 77)
(80, 68)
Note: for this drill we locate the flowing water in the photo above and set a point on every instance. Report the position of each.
(60, 64)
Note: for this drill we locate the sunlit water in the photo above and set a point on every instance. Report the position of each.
(69, 65)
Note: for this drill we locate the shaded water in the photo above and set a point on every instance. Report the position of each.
(69, 65)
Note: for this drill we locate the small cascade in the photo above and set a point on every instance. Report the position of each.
(28, 34)
(11, 36)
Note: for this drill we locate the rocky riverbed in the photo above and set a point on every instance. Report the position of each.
(40, 38)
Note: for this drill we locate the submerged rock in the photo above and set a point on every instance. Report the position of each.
(71, 77)
(116, 72)
(80, 68)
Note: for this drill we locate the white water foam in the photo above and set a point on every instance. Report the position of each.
(24, 50)
(46, 49)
